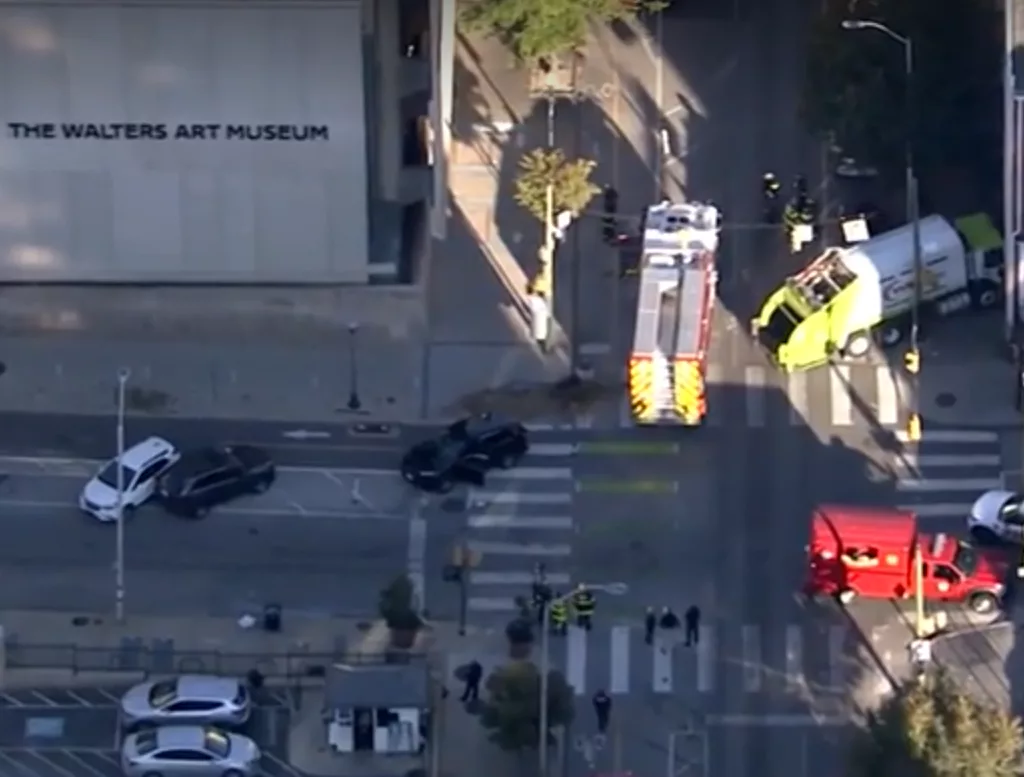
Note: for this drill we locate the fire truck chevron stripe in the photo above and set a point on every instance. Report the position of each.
(689, 391)
(641, 388)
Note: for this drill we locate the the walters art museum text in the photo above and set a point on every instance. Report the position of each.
(136, 131)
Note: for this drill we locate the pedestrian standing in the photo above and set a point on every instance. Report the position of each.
(603, 709)
(692, 617)
(583, 603)
(668, 620)
(474, 673)
(650, 624)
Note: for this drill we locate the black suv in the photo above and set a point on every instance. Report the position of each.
(206, 477)
(464, 453)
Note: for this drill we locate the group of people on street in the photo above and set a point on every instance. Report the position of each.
(580, 602)
(800, 209)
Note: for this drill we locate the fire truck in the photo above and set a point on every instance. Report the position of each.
(678, 282)
(870, 553)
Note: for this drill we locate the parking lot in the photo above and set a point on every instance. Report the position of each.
(76, 732)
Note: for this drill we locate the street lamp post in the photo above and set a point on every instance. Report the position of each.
(545, 666)
(913, 358)
(353, 361)
(123, 375)
(912, 207)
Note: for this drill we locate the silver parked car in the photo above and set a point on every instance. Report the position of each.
(190, 698)
(189, 751)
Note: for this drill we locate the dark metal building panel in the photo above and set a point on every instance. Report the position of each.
(183, 142)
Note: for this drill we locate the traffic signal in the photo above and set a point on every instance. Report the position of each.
(914, 427)
(912, 361)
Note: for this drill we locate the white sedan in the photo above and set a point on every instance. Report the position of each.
(997, 516)
(140, 467)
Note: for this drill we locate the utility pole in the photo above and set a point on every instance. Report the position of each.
(464, 561)
(123, 375)
(353, 363)
(913, 357)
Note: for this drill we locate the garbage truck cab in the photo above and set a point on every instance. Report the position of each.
(848, 297)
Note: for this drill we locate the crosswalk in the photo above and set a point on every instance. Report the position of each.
(520, 518)
(837, 396)
(745, 658)
(942, 475)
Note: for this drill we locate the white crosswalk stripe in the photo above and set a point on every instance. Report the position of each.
(519, 518)
(748, 657)
(940, 477)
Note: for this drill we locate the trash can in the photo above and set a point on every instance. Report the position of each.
(272, 617)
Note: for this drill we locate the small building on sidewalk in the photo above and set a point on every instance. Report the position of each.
(381, 708)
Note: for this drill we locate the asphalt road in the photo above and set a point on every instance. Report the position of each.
(323, 445)
(320, 541)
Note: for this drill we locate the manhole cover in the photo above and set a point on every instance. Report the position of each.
(945, 399)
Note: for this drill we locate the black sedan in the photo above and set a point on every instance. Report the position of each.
(206, 477)
(465, 453)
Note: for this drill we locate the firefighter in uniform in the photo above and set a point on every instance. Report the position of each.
(558, 613)
(770, 188)
(583, 603)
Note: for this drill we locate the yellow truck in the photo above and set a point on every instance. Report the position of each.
(849, 297)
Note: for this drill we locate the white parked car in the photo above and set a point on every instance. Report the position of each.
(997, 516)
(141, 466)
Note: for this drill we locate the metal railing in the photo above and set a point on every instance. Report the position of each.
(140, 658)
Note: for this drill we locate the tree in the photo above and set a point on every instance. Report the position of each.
(397, 606)
(537, 29)
(511, 711)
(569, 180)
(932, 729)
(855, 90)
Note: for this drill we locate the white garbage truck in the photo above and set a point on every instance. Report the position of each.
(849, 296)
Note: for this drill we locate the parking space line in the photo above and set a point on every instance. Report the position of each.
(113, 757)
(49, 765)
(115, 700)
(76, 757)
(11, 700)
(46, 700)
(117, 733)
(283, 765)
(79, 699)
(18, 765)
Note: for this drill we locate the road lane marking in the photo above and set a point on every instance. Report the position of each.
(619, 681)
(551, 449)
(416, 558)
(661, 665)
(888, 396)
(951, 435)
(519, 549)
(480, 499)
(604, 486)
(706, 660)
(795, 680)
(492, 604)
(799, 403)
(629, 447)
(949, 484)
(943, 460)
(514, 579)
(576, 659)
(751, 637)
(754, 379)
(531, 473)
(842, 402)
(500, 521)
(939, 509)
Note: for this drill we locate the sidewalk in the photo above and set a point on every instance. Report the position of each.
(273, 354)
